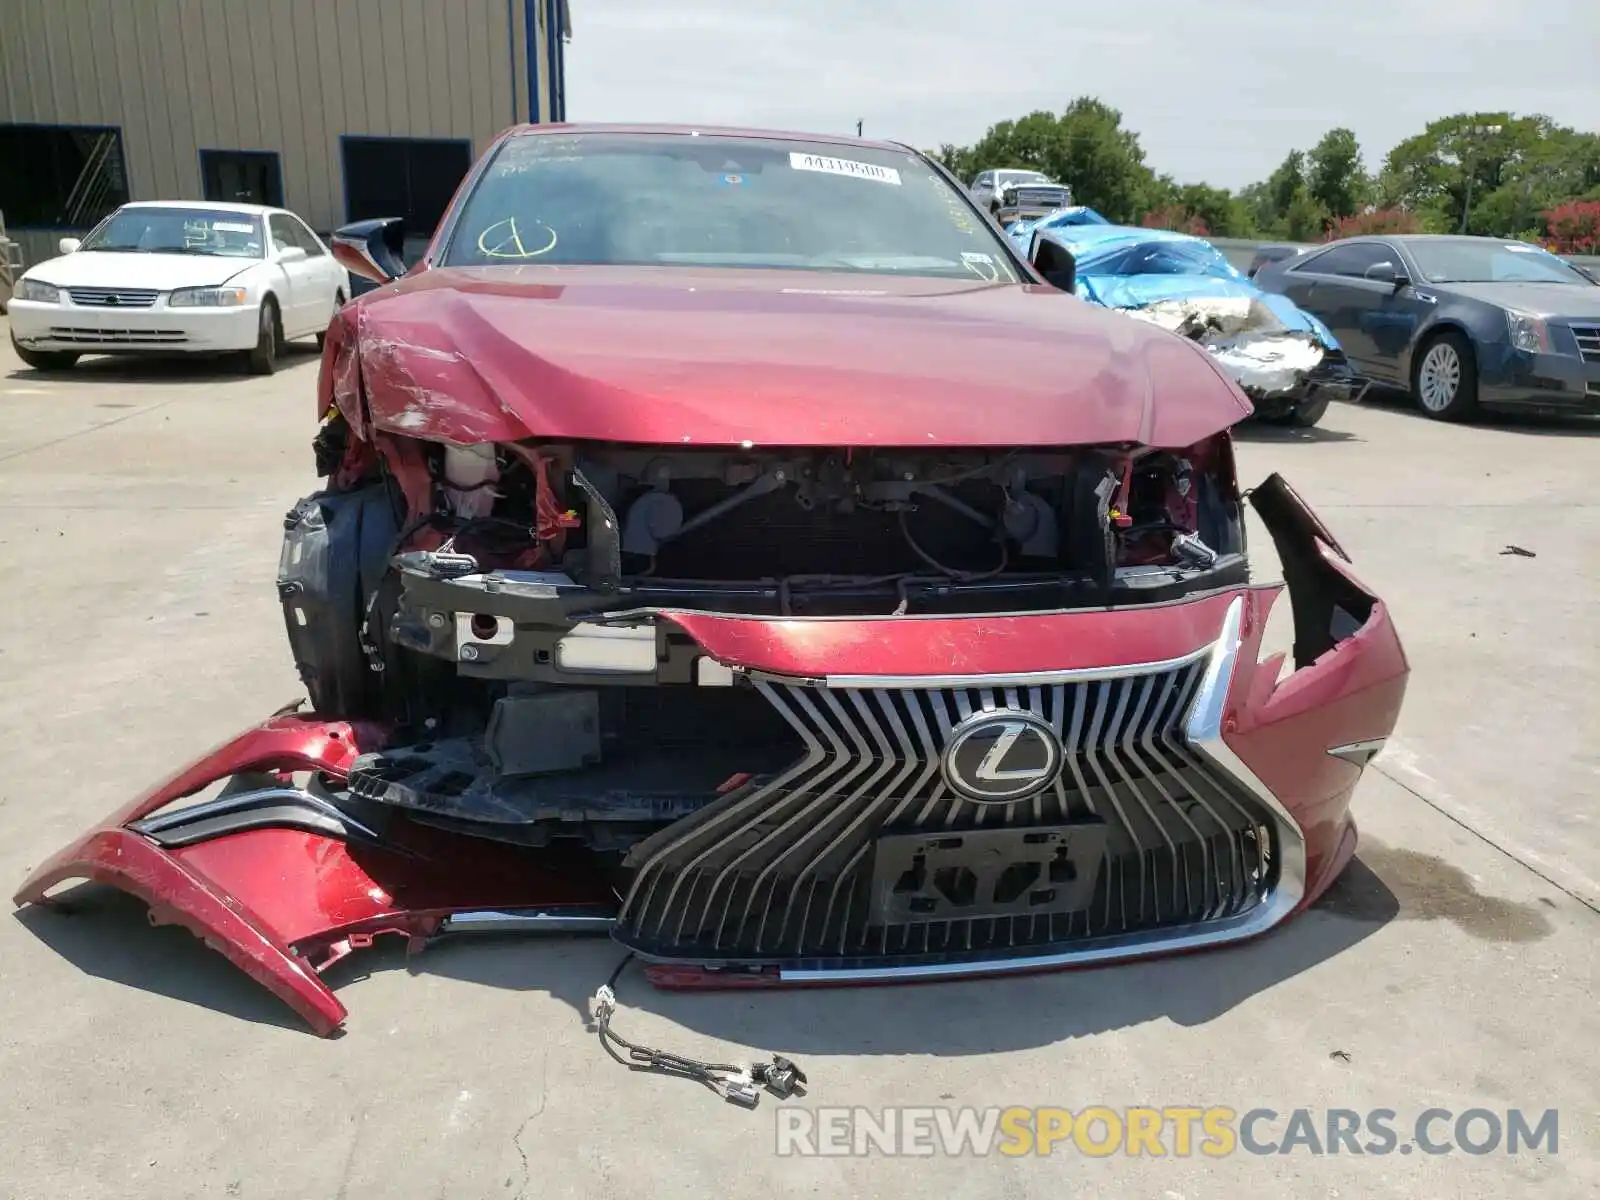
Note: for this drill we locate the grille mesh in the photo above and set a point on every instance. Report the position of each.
(782, 870)
(1588, 337)
(113, 297)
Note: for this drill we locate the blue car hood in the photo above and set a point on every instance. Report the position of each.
(1140, 291)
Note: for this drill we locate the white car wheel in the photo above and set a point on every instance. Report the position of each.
(1439, 378)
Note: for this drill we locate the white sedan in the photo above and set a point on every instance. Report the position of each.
(179, 277)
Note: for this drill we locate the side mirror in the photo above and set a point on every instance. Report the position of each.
(68, 245)
(372, 249)
(1054, 261)
(1387, 272)
(290, 254)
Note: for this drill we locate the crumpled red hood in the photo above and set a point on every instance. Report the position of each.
(769, 358)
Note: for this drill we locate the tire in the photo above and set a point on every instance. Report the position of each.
(263, 360)
(45, 360)
(338, 303)
(1302, 416)
(1444, 377)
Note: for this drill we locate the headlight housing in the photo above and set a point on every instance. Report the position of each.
(1528, 333)
(208, 297)
(38, 291)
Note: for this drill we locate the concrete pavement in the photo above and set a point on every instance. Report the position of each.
(1454, 967)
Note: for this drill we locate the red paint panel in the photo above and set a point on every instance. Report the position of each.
(310, 888)
(1085, 640)
(1283, 729)
(690, 356)
(176, 896)
(272, 900)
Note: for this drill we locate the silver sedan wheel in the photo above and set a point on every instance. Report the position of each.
(1440, 377)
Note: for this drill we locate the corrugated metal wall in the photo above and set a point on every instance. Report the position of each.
(179, 76)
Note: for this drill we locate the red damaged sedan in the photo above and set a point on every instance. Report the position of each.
(728, 543)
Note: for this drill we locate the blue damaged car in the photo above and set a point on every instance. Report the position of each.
(1286, 360)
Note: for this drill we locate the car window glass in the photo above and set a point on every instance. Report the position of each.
(983, 180)
(1480, 260)
(626, 199)
(1350, 260)
(168, 229)
(282, 232)
(306, 239)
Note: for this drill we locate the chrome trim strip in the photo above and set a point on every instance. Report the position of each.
(1359, 753)
(527, 920)
(174, 818)
(1016, 679)
(1203, 730)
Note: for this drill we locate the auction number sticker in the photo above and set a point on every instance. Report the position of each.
(843, 166)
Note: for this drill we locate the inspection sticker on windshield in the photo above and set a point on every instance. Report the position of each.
(232, 227)
(843, 166)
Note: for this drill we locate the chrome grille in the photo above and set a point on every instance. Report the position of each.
(1588, 337)
(783, 869)
(89, 335)
(1042, 197)
(114, 297)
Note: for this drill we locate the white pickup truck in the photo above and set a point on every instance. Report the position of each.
(1018, 195)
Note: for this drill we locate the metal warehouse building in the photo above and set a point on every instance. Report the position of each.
(337, 109)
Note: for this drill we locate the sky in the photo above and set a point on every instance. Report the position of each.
(1218, 90)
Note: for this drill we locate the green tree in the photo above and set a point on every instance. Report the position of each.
(1285, 185)
(955, 159)
(1085, 147)
(1494, 170)
(1335, 175)
(1220, 211)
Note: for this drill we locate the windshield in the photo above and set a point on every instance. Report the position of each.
(680, 200)
(1490, 262)
(1007, 178)
(178, 231)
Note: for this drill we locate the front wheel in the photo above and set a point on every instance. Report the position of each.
(45, 360)
(1304, 415)
(263, 360)
(1444, 377)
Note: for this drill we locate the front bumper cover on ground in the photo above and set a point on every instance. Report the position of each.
(284, 883)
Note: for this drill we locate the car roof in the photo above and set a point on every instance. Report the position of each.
(213, 205)
(730, 131)
(1095, 235)
(1414, 239)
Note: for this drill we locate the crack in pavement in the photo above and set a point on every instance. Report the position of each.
(516, 1140)
(77, 433)
(1487, 840)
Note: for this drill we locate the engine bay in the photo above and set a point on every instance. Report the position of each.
(825, 531)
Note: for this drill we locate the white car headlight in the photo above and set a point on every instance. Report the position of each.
(1528, 333)
(38, 291)
(208, 298)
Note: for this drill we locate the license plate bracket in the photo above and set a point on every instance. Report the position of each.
(1016, 871)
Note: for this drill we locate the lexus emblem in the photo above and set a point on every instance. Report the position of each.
(1001, 756)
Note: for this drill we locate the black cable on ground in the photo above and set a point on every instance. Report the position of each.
(735, 1084)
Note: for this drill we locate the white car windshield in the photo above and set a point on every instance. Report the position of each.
(705, 201)
(178, 231)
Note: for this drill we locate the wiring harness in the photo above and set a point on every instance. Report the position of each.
(735, 1084)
